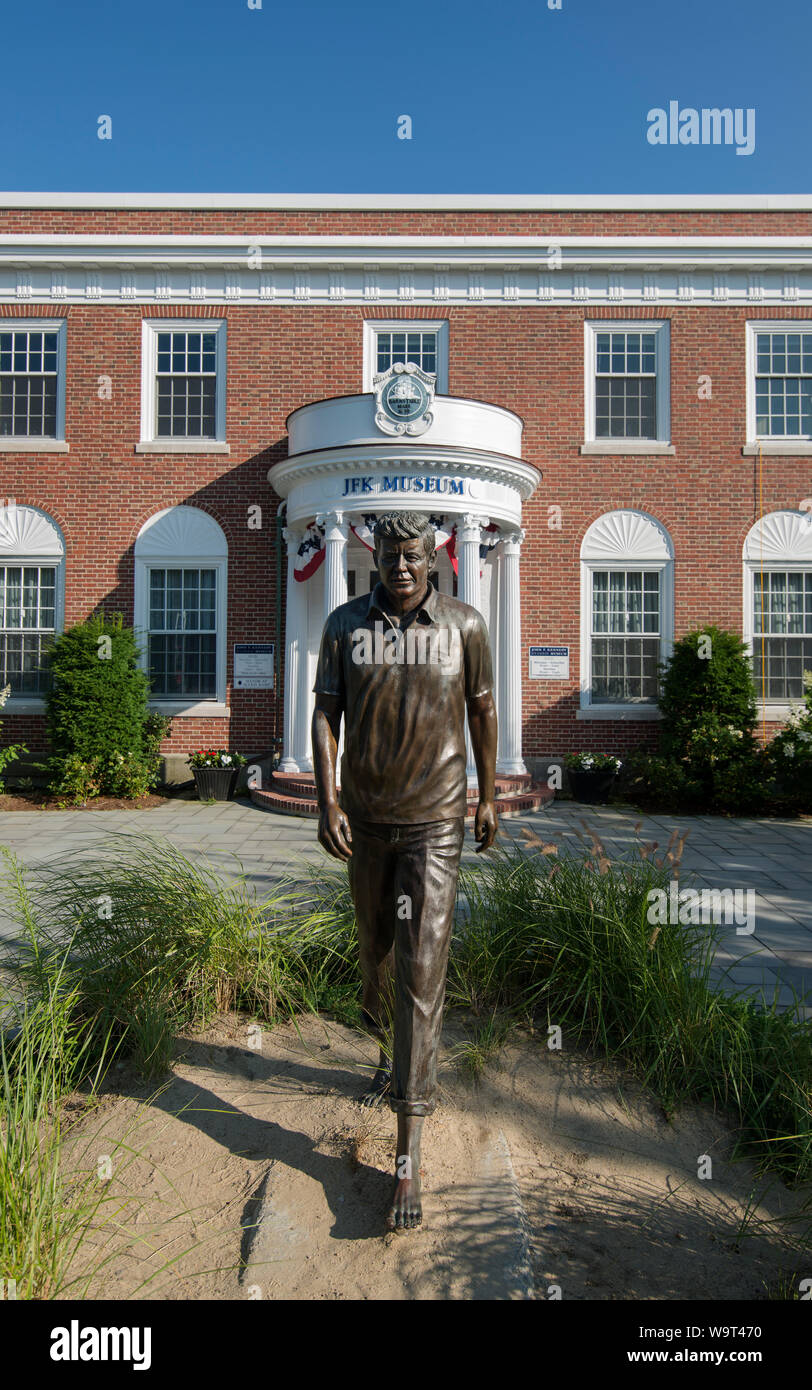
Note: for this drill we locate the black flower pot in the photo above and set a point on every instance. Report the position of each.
(214, 783)
(592, 785)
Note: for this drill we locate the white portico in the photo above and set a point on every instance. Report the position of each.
(461, 464)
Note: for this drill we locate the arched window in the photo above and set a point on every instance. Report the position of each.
(32, 601)
(777, 606)
(180, 610)
(627, 605)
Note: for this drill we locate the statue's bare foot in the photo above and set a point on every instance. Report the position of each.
(378, 1087)
(406, 1211)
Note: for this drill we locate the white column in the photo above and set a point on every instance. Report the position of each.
(295, 643)
(509, 757)
(469, 529)
(336, 531)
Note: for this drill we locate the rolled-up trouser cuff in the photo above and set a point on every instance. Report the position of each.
(412, 1107)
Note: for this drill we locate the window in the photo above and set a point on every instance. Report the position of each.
(626, 384)
(31, 600)
(625, 635)
(406, 340)
(782, 633)
(183, 389)
(32, 381)
(780, 373)
(626, 615)
(180, 609)
(778, 607)
(27, 626)
(182, 656)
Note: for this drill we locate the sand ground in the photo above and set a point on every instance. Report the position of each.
(253, 1173)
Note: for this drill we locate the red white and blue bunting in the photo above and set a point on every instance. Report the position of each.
(487, 540)
(310, 553)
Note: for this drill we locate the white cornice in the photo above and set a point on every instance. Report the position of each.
(419, 202)
(379, 458)
(366, 270)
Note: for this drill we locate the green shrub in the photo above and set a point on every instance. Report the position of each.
(104, 740)
(657, 781)
(13, 750)
(707, 699)
(790, 756)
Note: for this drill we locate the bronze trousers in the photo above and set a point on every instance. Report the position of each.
(403, 880)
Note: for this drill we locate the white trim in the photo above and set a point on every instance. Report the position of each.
(183, 537)
(775, 542)
(374, 326)
(637, 542)
(51, 552)
(370, 202)
(46, 444)
(661, 328)
(150, 328)
(769, 443)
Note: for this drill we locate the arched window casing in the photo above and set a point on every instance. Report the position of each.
(32, 603)
(627, 615)
(777, 608)
(181, 559)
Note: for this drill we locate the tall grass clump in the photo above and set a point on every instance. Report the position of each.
(155, 942)
(567, 934)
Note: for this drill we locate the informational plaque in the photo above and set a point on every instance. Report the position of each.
(253, 665)
(549, 663)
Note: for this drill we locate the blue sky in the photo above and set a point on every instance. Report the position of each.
(504, 98)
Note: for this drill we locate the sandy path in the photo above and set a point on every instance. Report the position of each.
(553, 1171)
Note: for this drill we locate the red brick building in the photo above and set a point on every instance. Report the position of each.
(605, 403)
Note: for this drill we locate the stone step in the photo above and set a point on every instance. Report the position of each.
(303, 783)
(507, 803)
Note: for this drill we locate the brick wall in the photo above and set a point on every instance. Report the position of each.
(528, 359)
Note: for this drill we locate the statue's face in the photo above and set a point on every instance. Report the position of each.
(404, 567)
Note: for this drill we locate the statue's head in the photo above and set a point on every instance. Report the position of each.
(405, 553)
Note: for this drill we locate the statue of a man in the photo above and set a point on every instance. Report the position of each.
(402, 665)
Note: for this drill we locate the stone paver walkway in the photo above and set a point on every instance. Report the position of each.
(772, 857)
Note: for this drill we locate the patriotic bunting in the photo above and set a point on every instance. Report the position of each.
(488, 539)
(310, 553)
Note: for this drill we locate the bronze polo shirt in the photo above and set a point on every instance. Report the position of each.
(403, 691)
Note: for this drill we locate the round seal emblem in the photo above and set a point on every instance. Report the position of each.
(404, 398)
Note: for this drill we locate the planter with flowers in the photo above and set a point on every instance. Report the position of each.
(215, 772)
(592, 776)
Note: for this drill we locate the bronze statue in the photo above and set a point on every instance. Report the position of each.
(402, 665)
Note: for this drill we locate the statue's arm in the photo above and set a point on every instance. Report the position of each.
(334, 828)
(482, 723)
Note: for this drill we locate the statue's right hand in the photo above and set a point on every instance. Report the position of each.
(334, 833)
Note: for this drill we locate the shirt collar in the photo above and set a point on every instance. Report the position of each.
(426, 612)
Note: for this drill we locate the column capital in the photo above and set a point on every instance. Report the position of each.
(512, 541)
(292, 537)
(335, 527)
(470, 524)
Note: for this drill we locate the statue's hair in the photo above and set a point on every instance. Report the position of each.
(405, 526)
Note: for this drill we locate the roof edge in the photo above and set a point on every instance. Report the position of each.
(417, 202)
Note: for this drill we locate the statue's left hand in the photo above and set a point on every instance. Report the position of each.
(485, 825)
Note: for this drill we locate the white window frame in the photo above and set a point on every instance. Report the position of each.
(374, 326)
(43, 444)
(638, 556)
(196, 557)
(149, 442)
(36, 704)
(661, 328)
(786, 546)
(770, 443)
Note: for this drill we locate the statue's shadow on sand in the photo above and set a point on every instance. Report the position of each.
(356, 1193)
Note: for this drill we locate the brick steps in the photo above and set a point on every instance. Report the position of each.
(295, 795)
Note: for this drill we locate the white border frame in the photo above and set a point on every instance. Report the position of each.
(35, 704)
(150, 327)
(661, 328)
(374, 326)
(770, 443)
(776, 711)
(43, 444)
